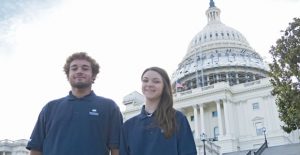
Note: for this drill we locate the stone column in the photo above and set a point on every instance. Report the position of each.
(198, 150)
(226, 114)
(196, 124)
(220, 122)
(237, 77)
(227, 78)
(202, 119)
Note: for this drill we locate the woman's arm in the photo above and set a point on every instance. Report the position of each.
(114, 151)
(34, 152)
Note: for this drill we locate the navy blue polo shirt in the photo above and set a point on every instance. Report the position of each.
(77, 126)
(141, 137)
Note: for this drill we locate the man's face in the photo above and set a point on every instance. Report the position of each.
(80, 74)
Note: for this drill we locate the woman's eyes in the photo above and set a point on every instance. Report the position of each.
(153, 81)
(156, 81)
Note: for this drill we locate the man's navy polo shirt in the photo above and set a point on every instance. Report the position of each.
(77, 126)
(141, 137)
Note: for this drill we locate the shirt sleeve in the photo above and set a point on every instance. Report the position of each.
(38, 134)
(116, 121)
(186, 142)
(123, 141)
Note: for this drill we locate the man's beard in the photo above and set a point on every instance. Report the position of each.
(81, 85)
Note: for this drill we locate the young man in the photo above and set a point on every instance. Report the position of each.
(81, 123)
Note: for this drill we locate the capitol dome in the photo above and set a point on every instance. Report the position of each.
(218, 53)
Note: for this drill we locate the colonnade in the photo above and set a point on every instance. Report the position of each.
(222, 116)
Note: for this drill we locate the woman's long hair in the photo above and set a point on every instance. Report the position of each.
(165, 113)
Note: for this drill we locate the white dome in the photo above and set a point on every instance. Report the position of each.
(217, 33)
(219, 49)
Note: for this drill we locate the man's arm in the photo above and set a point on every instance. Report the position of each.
(114, 151)
(34, 152)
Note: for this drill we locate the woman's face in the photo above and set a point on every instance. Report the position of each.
(152, 85)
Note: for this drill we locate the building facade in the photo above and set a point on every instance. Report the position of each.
(9, 147)
(223, 88)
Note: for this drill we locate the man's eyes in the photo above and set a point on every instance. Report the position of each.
(74, 68)
(83, 68)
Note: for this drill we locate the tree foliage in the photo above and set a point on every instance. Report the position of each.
(285, 75)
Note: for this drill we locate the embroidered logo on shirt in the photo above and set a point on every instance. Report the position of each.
(94, 112)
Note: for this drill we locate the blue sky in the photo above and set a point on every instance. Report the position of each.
(125, 37)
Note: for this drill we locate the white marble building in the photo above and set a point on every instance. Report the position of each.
(224, 91)
(9, 147)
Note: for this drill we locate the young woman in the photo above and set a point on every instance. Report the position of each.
(159, 129)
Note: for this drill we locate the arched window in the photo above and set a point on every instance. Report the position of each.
(216, 132)
(258, 123)
(259, 128)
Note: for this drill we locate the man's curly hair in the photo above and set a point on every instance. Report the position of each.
(81, 56)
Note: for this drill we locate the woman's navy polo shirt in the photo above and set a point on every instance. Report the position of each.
(77, 126)
(140, 137)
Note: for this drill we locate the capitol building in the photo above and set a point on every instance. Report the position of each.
(17, 147)
(223, 88)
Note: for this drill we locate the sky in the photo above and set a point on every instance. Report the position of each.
(125, 37)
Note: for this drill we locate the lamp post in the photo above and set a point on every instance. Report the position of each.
(203, 139)
(264, 130)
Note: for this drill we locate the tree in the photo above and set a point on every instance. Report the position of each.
(285, 75)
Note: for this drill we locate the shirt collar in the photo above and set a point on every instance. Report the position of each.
(87, 97)
(144, 114)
